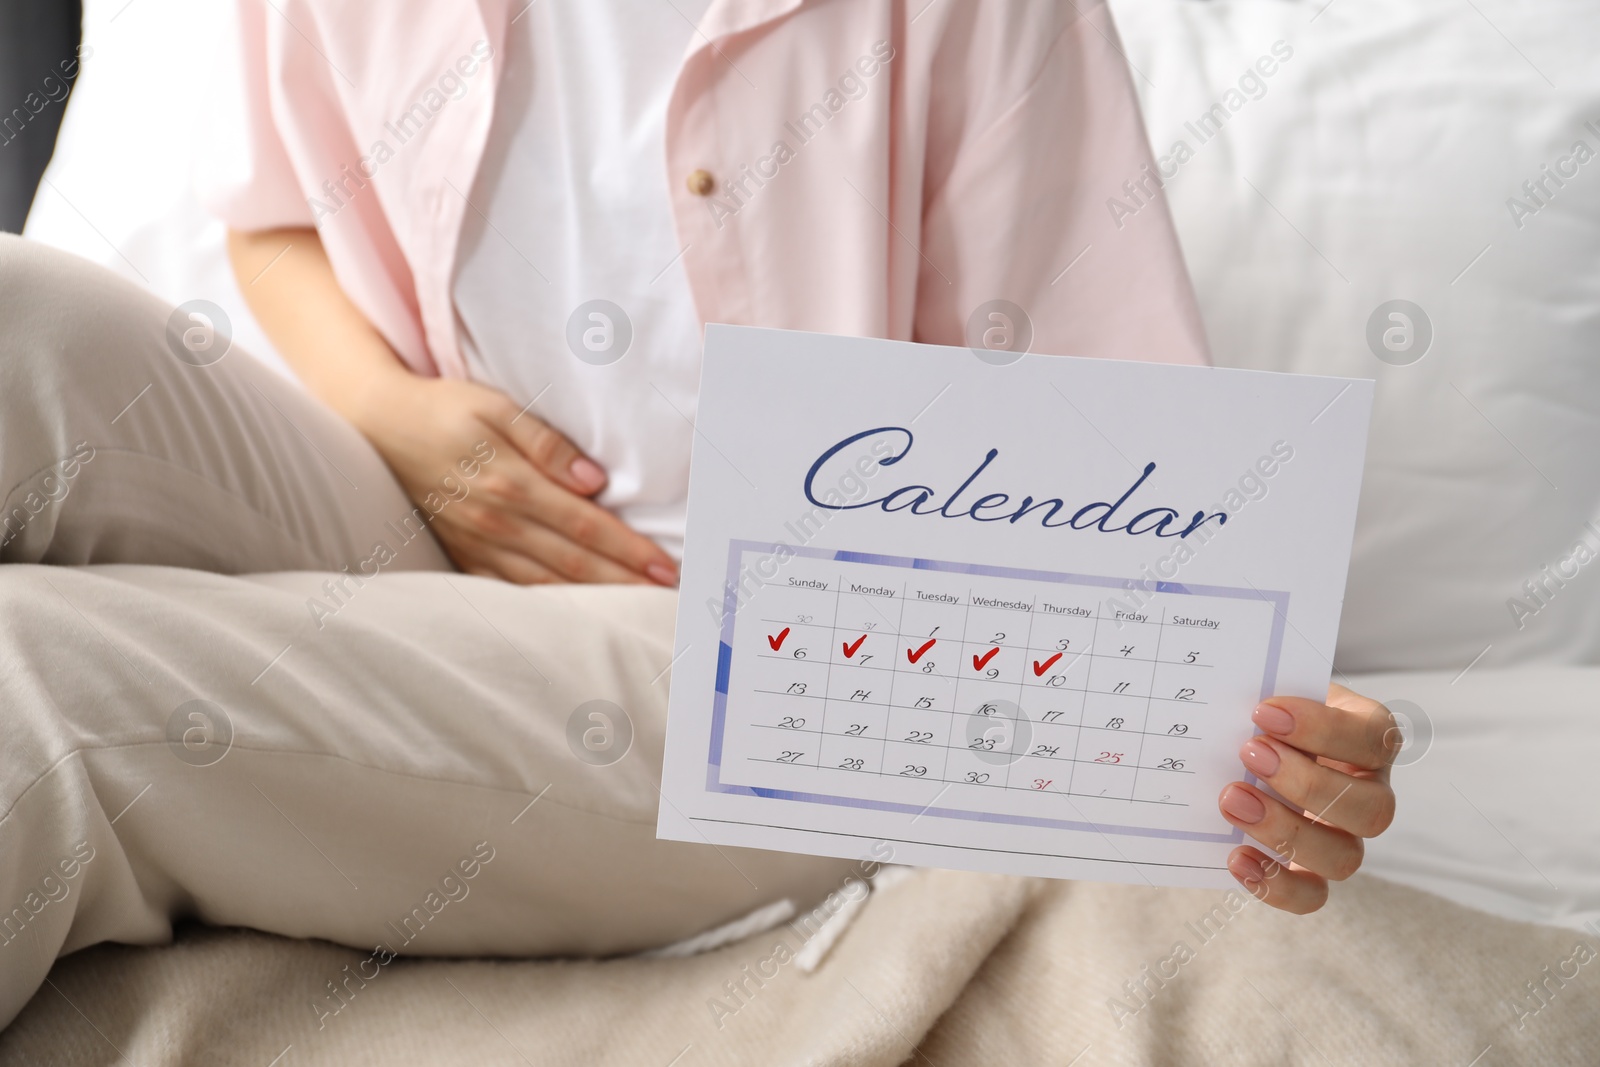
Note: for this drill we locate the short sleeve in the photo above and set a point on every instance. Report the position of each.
(1028, 218)
(243, 173)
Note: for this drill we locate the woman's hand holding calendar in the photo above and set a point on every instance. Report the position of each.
(1331, 763)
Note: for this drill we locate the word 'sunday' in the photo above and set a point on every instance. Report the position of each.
(993, 507)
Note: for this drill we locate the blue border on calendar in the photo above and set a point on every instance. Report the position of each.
(730, 608)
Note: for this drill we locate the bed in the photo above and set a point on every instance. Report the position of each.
(1323, 161)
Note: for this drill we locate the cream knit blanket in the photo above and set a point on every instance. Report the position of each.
(943, 968)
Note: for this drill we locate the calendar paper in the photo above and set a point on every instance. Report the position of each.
(998, 617)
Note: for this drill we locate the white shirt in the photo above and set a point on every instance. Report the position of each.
(570, 206)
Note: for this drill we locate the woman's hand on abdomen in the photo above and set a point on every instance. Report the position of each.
(509, 495)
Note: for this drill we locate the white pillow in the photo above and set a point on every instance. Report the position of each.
(1493, 806)
(1375, 163)
(1372, 164)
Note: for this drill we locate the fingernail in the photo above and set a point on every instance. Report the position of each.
(1243, 805)
(661, 574)
(1260, 758)
(1247, 870)
(587, 473)
(1273, 719)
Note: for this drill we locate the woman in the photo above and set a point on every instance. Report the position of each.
(457, 228)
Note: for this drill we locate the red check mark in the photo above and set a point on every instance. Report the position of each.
(777, 642)
(914, 656)
(978, 662)
(1040, 668)
(850, 649)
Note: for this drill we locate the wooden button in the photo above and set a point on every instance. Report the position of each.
(701, 183)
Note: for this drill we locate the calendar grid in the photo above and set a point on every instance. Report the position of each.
(966, 625)
(842, 629)
(998, 667)
(1058, 688)
(1027, 644)
(1026, 789)
(1077, 737)
(1138, 759)
(827, 684)
(888, 715)
(820, 732)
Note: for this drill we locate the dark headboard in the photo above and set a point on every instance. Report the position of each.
(36, 38)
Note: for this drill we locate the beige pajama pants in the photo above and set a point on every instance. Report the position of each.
(240, 682)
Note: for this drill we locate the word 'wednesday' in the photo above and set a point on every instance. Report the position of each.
(993, 507)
